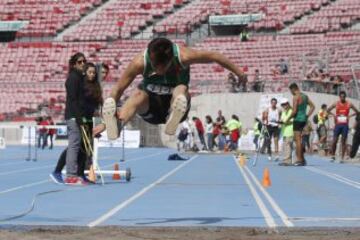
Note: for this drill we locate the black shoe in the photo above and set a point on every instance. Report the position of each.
(300, 164)
(285, 164)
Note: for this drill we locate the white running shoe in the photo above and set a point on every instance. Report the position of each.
(109, 116)
(178, 110)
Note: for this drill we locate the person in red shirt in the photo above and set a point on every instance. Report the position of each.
(43, 132)
(51, 132)
(200, 129)
(342, 117)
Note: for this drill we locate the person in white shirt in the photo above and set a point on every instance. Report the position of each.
(209, 127)
(271, 119)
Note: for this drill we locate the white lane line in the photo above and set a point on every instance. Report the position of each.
(14, 163)
(325, 219)
(265, 212)
(127, 202)
(25, 170)
(45, 181)
(272, 202)
(24, 186)
(334, 176)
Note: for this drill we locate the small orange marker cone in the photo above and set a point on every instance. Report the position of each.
(92, 175)
(116, 176)
(266, 179)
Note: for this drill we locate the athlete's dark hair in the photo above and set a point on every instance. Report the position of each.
(161, 51)
(323, 106)
(274, 99)
(342, 93)
(294, 86)
(74, 58)
(93, 88)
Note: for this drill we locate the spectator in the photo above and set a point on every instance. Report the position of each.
(305, 138)
(200, 130)
(356, 137)
(74, 116)
(104, 72)
(234, 128)
(258, 83)
(220, 121)
(209, 128)
(242, 83)
(182, 137)
(233, 82)
(287, 132)
(271, 118)
(93, 97)
(51, 132)
(283, 66)
(300, 116)
(43, 132)
(244, 35)
(322, 117)
(342, 116)
(257, 132)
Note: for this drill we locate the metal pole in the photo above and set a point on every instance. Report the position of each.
(36, 138)
(29, 145)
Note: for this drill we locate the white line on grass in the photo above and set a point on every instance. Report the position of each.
(265, 212)
(127, 202)
(334, 176)
(272, 202)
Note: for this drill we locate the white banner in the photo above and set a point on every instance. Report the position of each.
(246, 142)
(26, 130)
(132, 139)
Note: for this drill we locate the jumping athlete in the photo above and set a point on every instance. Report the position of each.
(342, 117)
(163, 94)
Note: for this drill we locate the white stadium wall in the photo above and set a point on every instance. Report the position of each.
(245, 105)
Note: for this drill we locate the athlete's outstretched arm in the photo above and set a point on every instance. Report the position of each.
(191, 56)
(135, 68)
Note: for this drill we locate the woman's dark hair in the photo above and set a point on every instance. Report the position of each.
(162, 51)
(93, 88)
(74, 58)
(208, 119)
(235, 117)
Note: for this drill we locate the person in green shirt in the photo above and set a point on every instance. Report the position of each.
(300, 116)
(287, 132)
(257, 132)
(234, 127)
(162, 97)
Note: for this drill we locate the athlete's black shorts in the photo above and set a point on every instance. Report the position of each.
(298, 126)
(159, 109)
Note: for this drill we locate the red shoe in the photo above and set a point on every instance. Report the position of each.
(75, 181)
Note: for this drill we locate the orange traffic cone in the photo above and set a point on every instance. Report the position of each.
(116, 176)
(242, 160)
(92, 175)
(266, 179)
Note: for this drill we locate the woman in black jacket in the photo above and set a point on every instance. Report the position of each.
(91, 100)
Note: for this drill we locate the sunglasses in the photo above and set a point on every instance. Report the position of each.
(81, 61)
